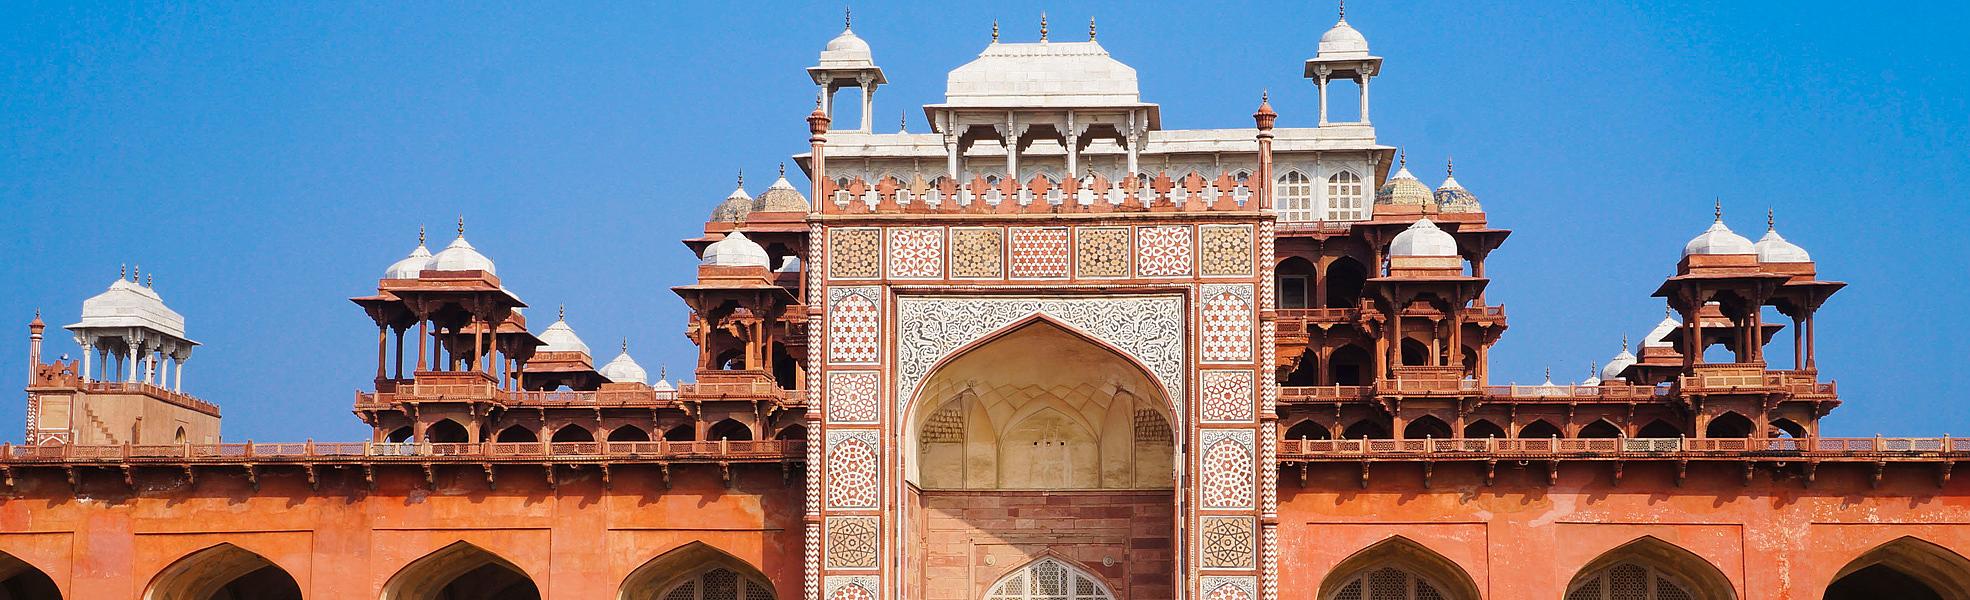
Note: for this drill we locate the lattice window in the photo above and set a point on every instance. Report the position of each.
(1389, 583)
(1344, 197)
(1049, 579)
(719, 584)
(1630, 581)
(1242, 190)
(1295, 197)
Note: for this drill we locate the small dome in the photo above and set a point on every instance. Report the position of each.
(624, 369)
(1659, 337)
(1619, 363)
(559, 337)
(781, 197)
(1718, 239)
(130, 304)
(1343, 42)
(1774, 249)
(1423, 239)
(662, 385)
(1593, 380)
(847, 51)
(736, 250)
(461, 256)
(735, 207)
(410, 266)
(1404, 189)
(1451, 197)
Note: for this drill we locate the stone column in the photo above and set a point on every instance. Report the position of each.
(88, 348)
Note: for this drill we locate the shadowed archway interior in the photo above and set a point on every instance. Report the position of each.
(1649, 568)
(223, 572)
(461, 571)
(696, 571)
(1397, 568)
(1906, 568)
(22, 581)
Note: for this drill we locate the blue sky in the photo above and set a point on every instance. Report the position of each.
(266, 162)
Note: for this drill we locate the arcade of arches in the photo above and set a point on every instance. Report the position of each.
(1059, 433)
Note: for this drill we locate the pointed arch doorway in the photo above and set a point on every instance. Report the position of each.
(1040, 442)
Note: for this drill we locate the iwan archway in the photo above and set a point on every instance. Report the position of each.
(1040, 442)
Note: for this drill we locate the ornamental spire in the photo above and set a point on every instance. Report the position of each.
(1771, 223)
(1720, 210)
(1344, 10)
(420, 235)
(1090, 29)
(461, 227)
(564, 313)
(1624, 342)
(847, 18)
(1043, 26)
(995, 31)
(1449, 166)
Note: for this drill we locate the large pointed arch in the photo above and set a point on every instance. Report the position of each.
(20, 580)
(1695, 575)
(223, 569)
(1943, 571)
(695, 564)
(1406, 558)
(461, 570)
(986, 408)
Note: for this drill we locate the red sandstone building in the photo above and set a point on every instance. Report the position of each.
(1047, 350)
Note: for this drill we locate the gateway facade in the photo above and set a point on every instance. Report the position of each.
(1047, 350)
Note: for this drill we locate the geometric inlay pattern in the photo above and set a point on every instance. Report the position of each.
(1163, 251)
(1224, 249)
(1226, 396)
(1148, 329)
(853, 460)
(1226, 470)
(977, 253)
(1218, 587)
(854, 324)
(1039, 252)
(851, 587)
(1226, 542)
(1227, 323)
(1101, 252)
(916, 252)
(854, 253)
(852, 542)
(852, 396)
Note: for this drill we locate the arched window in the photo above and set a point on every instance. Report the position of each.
(629, 433)
(517, 434)
(568, 434)
(1389, 583)
(179, 437)
(1600, 429)
(1426, 427)
(719, 584)
(841, 195)
(1294, 276)
(1241, 189)
(1048, 579)
(728, 429)
(1344, 197)
(1729, 425)
(1295, 197)
(1630, 581)
(1661, 429)
(446, 431)
(1307, 430)
(1539, 430)
(1481, 429)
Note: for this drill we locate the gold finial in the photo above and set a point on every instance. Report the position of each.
(461, 227)
(564, 312)
(420, 235)
(1090, 29)
(1043, 26)
(1720, 210)
(1771, 223)
(995, 31)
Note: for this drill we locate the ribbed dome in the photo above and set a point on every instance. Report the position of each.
(781, 197)
(1423, 238)
(1451, 197)
(130, 304)
(736, 250)
(1619, 363)
(1659, 336)
(1343, 42)
(410, 266)
(1774, 249)
(1404, 189)
(735, 207)
(559, 337)
(461, 256)
(662, 385)
(1718, 239)
(624, 369)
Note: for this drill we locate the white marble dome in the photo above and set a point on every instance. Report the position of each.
(559, 337)
(625, 370)
(1659, 337)
(1775, 249)
(130, 304)
(461, 256)
(410, 266)
(736, 250)
(1404, 189)
(847, 51)
(1343, 42)
(1423, 238)
(1619, 363)
(1718, 239)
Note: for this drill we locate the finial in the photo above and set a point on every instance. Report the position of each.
(461, 227)
(1449, 166)
(1593, 368)
(1549, 374)
(564, 313)
(663, 371)
(1265, 96)
(1043, 26)
(783, 169)
(1720, 210)
(847, 17)
(1624, 342)
(1344, 10)
(1771, 223)
(742, 178)
(420, 235)
(150, 280)
(136, 273)
(122, 271)
(995, 31)
(903, 122)
(1401, 158)
(625, 345)
(1090, 29)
